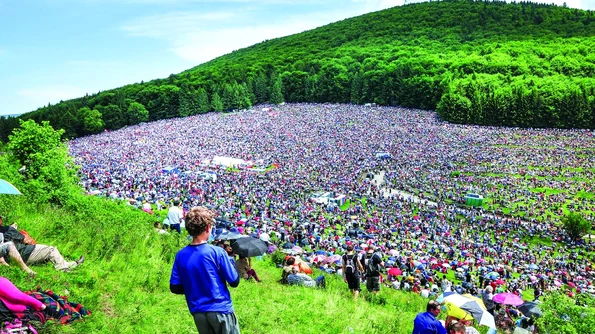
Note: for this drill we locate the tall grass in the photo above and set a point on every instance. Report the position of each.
(124, 281)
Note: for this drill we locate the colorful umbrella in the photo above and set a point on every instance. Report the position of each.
(470, 306)
(507, 298)
(332, 258)
(318, 258)
(395, 271)
(493, 275)
(7, 188)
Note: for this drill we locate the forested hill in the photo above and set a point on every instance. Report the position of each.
(491, 63)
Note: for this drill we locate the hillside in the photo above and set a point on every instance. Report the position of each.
(489, 63)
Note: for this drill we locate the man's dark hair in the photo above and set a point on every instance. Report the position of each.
(456, 328)
(198, 219)
(432, 305)
(290, 261)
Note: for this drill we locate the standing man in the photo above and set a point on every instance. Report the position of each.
(351, 271)
(200, 272)
(426, 322)
(373, 270)
(175, 216)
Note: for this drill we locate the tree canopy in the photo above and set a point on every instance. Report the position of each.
(476, 62)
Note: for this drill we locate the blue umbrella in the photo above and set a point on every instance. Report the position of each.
(492, 275)
(320, 252)
(7, 188)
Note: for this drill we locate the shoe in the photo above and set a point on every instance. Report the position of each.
(80, 260)
(66, 270)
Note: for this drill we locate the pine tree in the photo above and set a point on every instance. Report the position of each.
(216, 103)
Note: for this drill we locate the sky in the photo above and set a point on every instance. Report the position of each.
(52, 50)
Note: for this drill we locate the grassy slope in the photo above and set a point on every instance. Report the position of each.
(125, 281)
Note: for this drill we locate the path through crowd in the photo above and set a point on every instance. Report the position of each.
(387, 191)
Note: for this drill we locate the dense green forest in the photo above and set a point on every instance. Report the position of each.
(476, 62)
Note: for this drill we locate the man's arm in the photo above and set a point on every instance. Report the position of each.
(229, 270)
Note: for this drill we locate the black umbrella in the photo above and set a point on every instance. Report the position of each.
(530, 309)
(249, 247)
(287, 245)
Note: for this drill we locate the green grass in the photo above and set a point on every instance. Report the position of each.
(124, 281)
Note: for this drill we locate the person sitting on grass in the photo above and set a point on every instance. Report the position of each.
(287, 269)
(244, 267)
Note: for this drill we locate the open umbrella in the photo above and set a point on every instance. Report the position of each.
(472, 307)
(318, 258)
(333, 258)
(531, 309)
(229, 236)
(287, 245)
(7, 188)
(395, 271)
(290, 252)
(249, 247)
(493, 275)
(508, 298)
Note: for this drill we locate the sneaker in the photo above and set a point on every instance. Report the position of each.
(80, 260)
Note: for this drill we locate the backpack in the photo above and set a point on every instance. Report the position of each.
(350, 267)
(372, 269)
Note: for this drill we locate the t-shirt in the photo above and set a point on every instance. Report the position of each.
(203, 270)
(375, 260)
(174, 215)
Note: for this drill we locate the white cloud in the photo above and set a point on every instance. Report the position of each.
(202, 36)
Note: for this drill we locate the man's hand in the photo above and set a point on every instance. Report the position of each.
(3, 262)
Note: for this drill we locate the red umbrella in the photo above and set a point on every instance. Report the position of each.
(395, 271)
(499, 281)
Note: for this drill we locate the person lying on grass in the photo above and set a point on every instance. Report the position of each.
(33, 253)
(8, 249)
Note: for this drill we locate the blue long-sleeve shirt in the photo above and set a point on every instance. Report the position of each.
(426, 323)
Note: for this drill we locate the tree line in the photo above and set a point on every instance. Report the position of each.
(474, 62)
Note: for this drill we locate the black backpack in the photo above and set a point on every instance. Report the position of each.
(372, 269)
(350, 266)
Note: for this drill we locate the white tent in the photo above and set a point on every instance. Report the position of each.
(226, 161)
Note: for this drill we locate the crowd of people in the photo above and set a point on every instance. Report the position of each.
(527, 176)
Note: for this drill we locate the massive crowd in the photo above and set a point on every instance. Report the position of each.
(528, 175)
